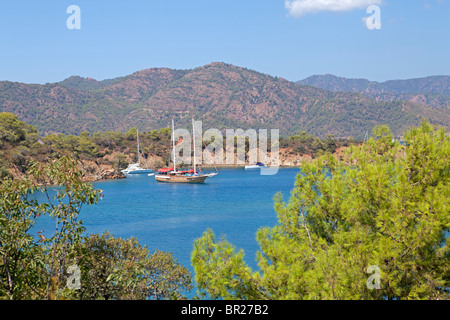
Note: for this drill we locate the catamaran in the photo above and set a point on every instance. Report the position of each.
(182, 176)
(135, 168)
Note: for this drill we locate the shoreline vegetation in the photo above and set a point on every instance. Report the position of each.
(101, 155)
(382, 207)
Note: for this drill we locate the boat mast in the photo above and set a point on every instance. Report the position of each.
(193, 134)
(173, 143)
(138, 155)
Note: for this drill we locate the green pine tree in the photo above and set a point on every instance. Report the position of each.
(385, 205)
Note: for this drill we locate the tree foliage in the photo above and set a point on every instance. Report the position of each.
(34, 265)
(304, 143)
(20, 144)
(13, 130)
(116, 268)
(385, 205)
(31, 265)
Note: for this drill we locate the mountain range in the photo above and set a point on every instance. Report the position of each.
(433, 91)
(227, 96)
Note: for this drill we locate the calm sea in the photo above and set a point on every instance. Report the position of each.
(170, 217)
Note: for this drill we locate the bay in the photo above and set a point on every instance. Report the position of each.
(169, 217)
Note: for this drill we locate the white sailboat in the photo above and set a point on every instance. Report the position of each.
(255, 166)
(135, 168)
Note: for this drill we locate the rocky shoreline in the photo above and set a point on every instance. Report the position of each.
(287, 159)
(93, 170)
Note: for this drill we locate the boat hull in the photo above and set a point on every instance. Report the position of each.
(251, 167)
(141, 171)
(180, 178)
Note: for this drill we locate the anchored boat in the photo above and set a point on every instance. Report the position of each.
(182, 176)
(135, 168)
(255, 166)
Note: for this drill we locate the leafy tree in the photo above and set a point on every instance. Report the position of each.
(153, 135)
(107, 139)
(13, 130)
(165, 133)
(86, 146)
(35, 266)
(21, 260)
(131, 134)
(116, 268)
(386, 205)
(330, 144)
(64, 207)
(31, 268)
(120, 161)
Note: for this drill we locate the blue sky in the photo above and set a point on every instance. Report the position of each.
(282, 38)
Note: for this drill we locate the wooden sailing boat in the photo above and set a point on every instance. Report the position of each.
(181, 176)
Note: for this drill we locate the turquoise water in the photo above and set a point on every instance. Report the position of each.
(170, 217)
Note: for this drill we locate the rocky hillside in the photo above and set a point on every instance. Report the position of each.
(219, 94)
(433, 92)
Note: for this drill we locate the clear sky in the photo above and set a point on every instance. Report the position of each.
(291, 39)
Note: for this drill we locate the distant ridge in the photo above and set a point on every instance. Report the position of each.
(433, 91)
(222, 96)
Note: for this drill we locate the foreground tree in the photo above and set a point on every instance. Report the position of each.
(384, 209)
(37, 266)
(31, 265)
(21, 262)
(116, 268)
